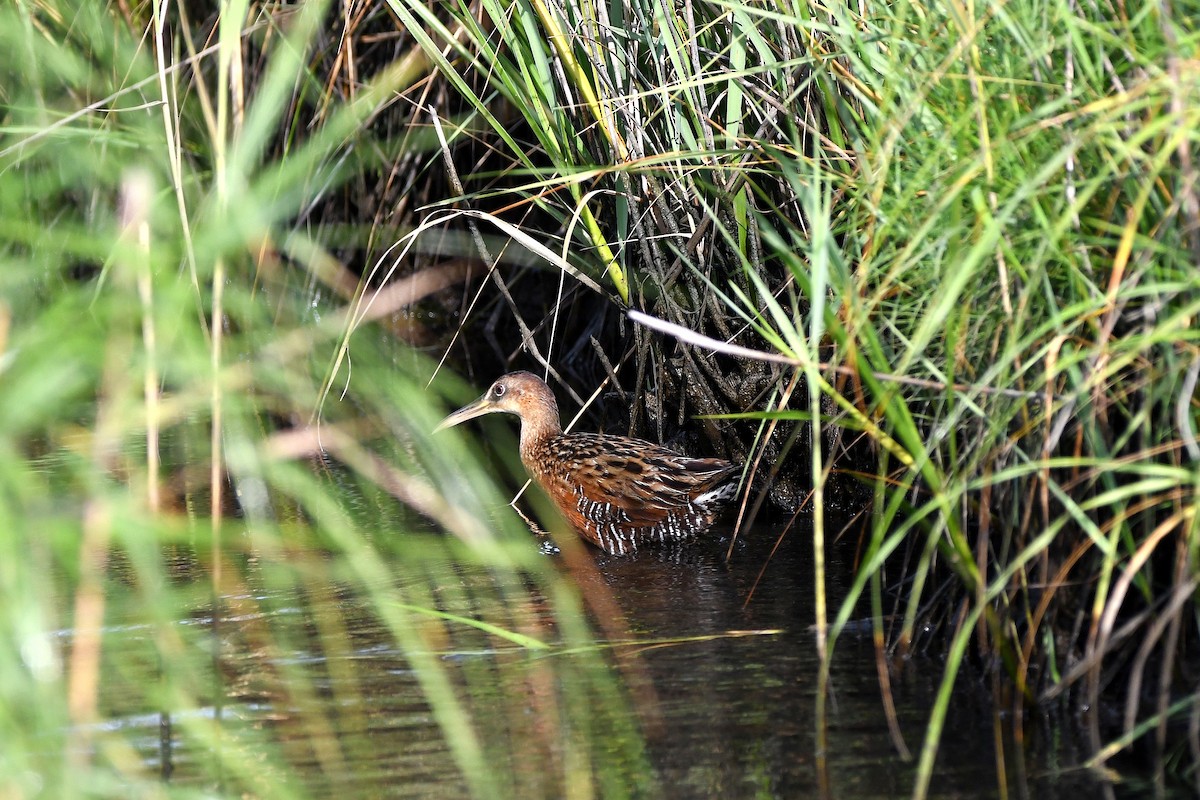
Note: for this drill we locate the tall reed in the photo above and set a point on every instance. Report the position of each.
(972, 230)
(209, 517)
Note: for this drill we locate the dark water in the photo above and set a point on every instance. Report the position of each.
(740, 711)
(717, 655)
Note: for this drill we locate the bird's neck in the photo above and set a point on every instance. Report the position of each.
(539, 423)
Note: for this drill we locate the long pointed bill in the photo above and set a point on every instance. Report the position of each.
(477, 409)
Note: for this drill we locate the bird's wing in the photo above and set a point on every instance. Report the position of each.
(643, 479)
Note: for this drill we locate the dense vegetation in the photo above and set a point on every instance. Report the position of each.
(960, 240)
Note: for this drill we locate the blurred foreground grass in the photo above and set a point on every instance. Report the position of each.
(200, 522)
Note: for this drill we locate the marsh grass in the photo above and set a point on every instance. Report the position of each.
(964, 235)
(1020, 230)
(1023, 218)
(208, 517)
(972, 231)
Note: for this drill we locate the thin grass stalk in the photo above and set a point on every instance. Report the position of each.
(1112, 602)
(963, 633)
(137, 193)
(83, 669)
(1193, 734)
(878, 633)
(818, 217)
(168, 99)
(1127, 738)
(941, 702)
(232, 16)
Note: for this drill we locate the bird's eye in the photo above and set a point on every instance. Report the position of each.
(498, 390)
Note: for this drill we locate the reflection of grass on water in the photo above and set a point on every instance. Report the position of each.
(972, 229)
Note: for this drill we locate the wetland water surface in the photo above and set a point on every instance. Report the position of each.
(725, 679)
